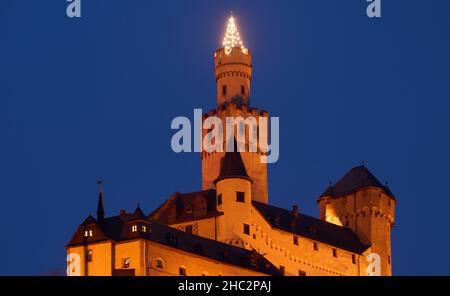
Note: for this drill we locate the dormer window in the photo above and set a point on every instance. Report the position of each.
(134, 228)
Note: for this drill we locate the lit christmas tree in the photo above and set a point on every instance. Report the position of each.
(232, 38)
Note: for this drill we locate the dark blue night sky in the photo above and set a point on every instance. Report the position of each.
(89, 98)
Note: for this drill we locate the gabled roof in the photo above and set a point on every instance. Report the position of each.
(184, 207)
(357, 178)
(232, 166)
(116, 229)
(310, 227)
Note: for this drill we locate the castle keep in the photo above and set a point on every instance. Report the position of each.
(229, 227)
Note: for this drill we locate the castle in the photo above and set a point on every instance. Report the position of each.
(229, 227)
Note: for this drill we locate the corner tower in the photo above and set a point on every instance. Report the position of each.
(234, 199)
(233, 74)
(360, 202)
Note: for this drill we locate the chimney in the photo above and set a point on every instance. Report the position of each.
(295, 211)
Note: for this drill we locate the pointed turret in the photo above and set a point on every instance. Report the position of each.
(232, 166)
(100, 208)
(139, 214)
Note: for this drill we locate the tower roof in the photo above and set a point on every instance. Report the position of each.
(232, 38)
(357, 178)
(232, 166)
(100, 208)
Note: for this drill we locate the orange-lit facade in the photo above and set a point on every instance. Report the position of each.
(229, 226)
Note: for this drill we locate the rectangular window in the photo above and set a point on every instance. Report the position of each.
(246, 229)
(334, 253)
(316, 247)
(295, 240)
(282, 270)
(389, 260)
(301, 273)
(353, 259)
(182, 271)
(240, 196)
(134, 228)
(89, 255)
(189, 229)
(242, 90)
(224, 89)
(126, 262)
(144, 228)
(219, 199)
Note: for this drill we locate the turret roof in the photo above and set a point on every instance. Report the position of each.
(357, 178)
(232, 166)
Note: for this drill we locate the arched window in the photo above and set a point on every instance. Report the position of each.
(159, 263)
(205, 273)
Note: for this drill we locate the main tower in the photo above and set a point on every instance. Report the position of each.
(233, 74)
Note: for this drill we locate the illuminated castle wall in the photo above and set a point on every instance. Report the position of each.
(229, 227)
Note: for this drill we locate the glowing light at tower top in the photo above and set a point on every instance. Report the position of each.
(232, 38)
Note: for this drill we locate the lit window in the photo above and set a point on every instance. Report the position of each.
(88, 233)
(159, 263)
(246, 229)
(240, 196)
(182, 271)
(296, 240)
(126, 262)
(334, 253)
(89, 255)
(144, 228)
(134, 228)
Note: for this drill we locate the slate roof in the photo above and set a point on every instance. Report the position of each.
(232, 166)
(357, 178)
(117, 229)
(184, 207)
(310, 227)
